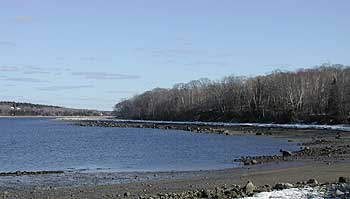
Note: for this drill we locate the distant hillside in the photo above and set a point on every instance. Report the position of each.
(28, 109)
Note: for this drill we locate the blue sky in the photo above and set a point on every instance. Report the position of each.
(92, 54)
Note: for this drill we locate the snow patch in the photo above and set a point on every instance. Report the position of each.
(293, 193)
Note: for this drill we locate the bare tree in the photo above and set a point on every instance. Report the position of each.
(320, 94)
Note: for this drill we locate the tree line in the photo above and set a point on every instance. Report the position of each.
(317, 95)
(28, 109)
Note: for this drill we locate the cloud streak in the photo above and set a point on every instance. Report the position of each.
(25, 79)
(7, 43)
(9, 69)
(31, 70)
(62, 88)
(105, 76)
(35, 70)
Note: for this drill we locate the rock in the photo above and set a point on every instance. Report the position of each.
(312, 181)
(265, 188)
(339, 193)
(233, 194)
(342, 180)
(337, 136)
(249, 188)
(254, 161)
(286, 153)
(127, 194)
(247, 162)
(281, 186)
(204, 194)
(218, 191)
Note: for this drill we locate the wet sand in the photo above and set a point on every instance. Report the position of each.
(269, 174)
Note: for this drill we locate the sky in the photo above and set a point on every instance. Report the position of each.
(92, 54)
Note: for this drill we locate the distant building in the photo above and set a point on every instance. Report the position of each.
(14, 108)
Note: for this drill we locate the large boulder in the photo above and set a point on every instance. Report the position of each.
(204, 194)
(312, 182)
(249, 188)
(280, 186)
(342, 180)
(286, 153)
(339, 193)
(127, 194)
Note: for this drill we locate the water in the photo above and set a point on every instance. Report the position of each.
(44, 144)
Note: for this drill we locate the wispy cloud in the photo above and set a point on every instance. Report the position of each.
(7, 43)
(61, 88)
(25, 79)
(30, 70)
(105, 76)
(9, 69)
(35, 70)
(24, 19)
(9, 85)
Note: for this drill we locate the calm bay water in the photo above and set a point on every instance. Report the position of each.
(44, 144)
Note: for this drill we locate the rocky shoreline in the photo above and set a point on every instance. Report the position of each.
(323, 153)
(193, 128)
(203, 128)
(340, 189)
(24, 173)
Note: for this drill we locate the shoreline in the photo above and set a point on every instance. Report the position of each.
(271, 174)
(112, 121)
(325, 156)
(56, 117)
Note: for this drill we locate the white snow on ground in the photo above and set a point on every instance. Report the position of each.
(294, 193)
